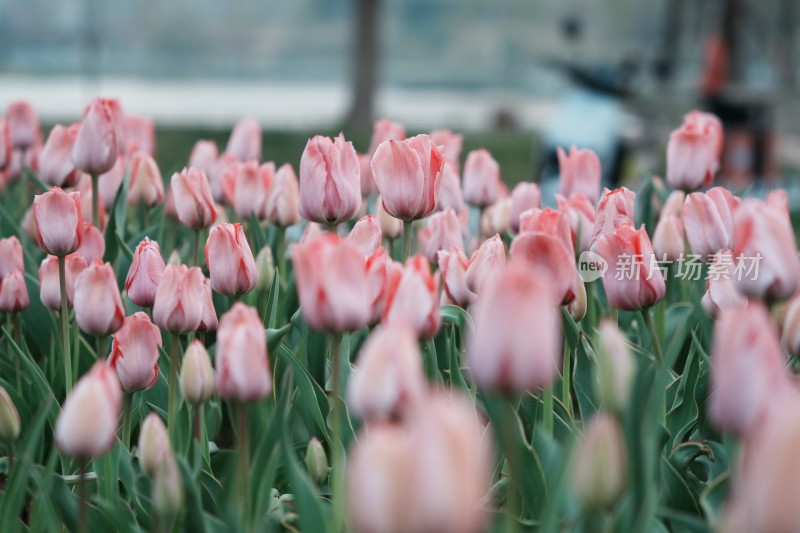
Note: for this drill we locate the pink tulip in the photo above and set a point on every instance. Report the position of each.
(747, 369)
(545, 242)
(204, 156)
(55, 161)
(515, 345)
(11, 252)
(412, 297)
(93, 244)
(245, 140)
(334, 298)
(391, 227)
(668, 238)
(96, 147)
(481, 178)
(178, 304)
(154, 446)
(693, 151)
(5, 144)
(524, 196)
(14, 293)
(140, 135)
(708, 219)
(497, 217)
(59, 221)
(764, 238)
(86, 192)
(23, 125)
(366, 235)
(330, 182)
(368, 187)
(450, 194)
(579, 173)
(241, 357)
(384, 130)
(452, 143)
(197, 374)
(192, 196)
(98, 304)
(721, 293)
(134, 353)
(442, 231)
(283, 198)
(376, 272)
(230, 261)
(387, 380)
(145, 273)
(490, 257)
(581, 215)
(433, 472)
(49, 285)
(408, 175)
(633, 280)
(674, 204)
(87, 424)
(614, 209)
(145, 186)
(109, 183)
(208, 314)
(453, 265)
(246, 186)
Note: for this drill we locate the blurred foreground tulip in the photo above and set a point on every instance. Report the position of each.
(135, 352)
(59, 221)
(330, 182)
(241, 357)
(599, 464)
(615, 367)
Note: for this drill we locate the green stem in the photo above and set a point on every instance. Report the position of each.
(62, 282)
(15, 335)
(511, 450)
(656, 344)
(547, 414)
(10, 454)
(95, 201)
(196, 257)
(127, 419)
(243, 457)
(407, 238)
(566, 381)
(281, 259)
(82, 505)
(101, 347)
(337, 475)
(172, 413)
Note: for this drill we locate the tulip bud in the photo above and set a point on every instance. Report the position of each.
(49, 285)
(9, 418)
(197, 375)
(93, 244)
(599, 464)
(708, 219)
(580, 213)
(245, 141)
(154, 446)
(524, 196)
(693, 151)
(59, 221)
(453, 265)
(481, 178)
(96, 147)
(134, 353)
(14, 293)
(408, 176)
(23, 124)
(230, 261)
(145, 273)
(55, 162)
(98, 304)
(368, 187)
(614, 209)
(266, 269)
(241, 357)
(192, 196)
(87, 424)
(579, 173)
(391, 227)
(167, 487)
(668, 239)
(11, 252)
(366, 235)
(246, 186)
(515, 345)
(335, 298)
(145, 186)
(388, 380)
(490, 256)
(204, 155)
(412, 296)
(178, 304)
(208, 314)
(330, 182)
(577, 308)
(283, 198)
(442, 231)
(615, 367)
(316, 461)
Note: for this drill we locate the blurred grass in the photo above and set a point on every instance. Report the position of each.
(515, 151)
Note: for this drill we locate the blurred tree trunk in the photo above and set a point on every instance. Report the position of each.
(365, 64)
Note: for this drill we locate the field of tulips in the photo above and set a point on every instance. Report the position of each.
(387, 341)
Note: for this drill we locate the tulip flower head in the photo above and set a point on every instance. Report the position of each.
(241, 357)
(135, 351)
(59, 221)
(330, 182)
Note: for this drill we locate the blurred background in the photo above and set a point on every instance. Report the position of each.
(519, 77)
